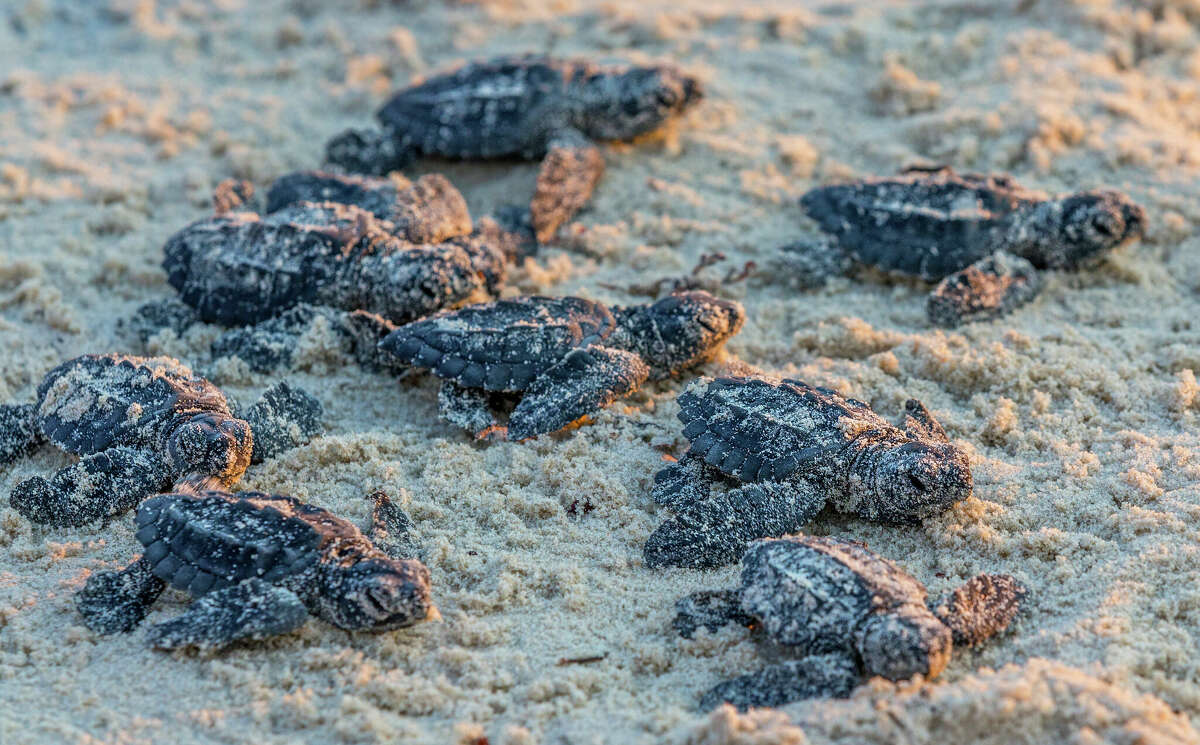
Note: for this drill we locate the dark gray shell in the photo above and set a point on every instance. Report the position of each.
(501, 346)
(813, 592)
(92, 402)
(802, 595)
(212, 540)
(239, 268)
(484, 109)
(926, 224)
(759, 430)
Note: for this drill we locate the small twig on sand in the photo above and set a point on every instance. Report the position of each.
(582, 660)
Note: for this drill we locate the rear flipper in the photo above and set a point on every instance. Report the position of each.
(686, 481)
(817, 676)
(99, 486)
(253, 609)
(116, 602)
(469, 408)
(981, 608)
(991, 287)
(711, 609)
(285, 417)
(371, 152)
(584, 381)
(715, 531)
(813, 263)
(569, 173)
(20, 433)
(517, 220)
(271, 344)
(391, 528)
(234, 195)
(153, 317)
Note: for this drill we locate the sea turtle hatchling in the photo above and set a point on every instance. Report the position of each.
(564, 357)
(141, 425)
(790, 449)
(402, 253)
(846, 613)
(982, 236)
(529, 107)
(259, 565)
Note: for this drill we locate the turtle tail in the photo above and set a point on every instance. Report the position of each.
(982, 607)
(368, 151)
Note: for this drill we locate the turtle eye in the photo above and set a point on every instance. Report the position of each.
(1105, 226)
(916, 483)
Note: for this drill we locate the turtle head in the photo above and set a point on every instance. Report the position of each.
(1093, 223)
(379, 594)
(210, 450)
(898, 645)
(624, 105)
(915, 480)
(680, 331)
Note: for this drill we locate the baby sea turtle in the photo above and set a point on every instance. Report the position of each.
(847, 613)
(399, 252)
(794, 448)
(141, 426)
(259, 565)
(982, 236)
(564, 357)
(529, 107)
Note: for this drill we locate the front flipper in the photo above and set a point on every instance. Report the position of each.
(431, 211)
(469, 408)
(711, 609)
(813, 263)
(285, 417)
(391, 528)
(101, 485)
(371, 152)
(234, 195)
(584, 381)
(572, 167)
(817, 676)
(19, 431)
(116, 602)
(991, 287)
(253, 609)
(716, 530)
(919, 422)
(984, 606)
(686, 481)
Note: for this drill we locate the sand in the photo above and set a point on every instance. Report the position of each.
(1079, 411)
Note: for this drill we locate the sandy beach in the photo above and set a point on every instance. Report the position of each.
(1079, 411)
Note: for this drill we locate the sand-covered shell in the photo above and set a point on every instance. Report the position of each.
(91, 402)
